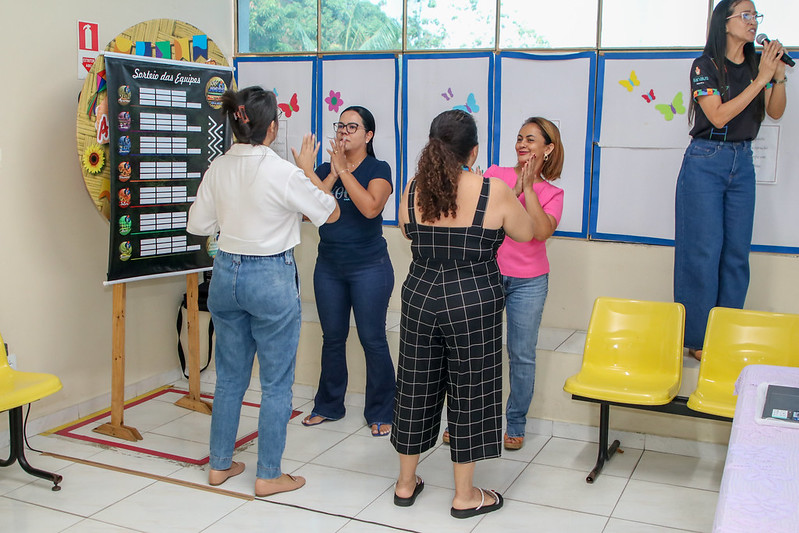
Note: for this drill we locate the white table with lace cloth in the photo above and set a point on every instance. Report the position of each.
(760, 486)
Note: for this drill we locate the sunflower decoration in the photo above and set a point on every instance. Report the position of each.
(93, 158)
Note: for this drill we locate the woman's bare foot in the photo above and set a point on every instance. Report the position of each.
(380, 430)
(284, 483)
(217, 477)
(313, 420)
(405, 490)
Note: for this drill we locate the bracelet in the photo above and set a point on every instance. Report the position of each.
(783, 80)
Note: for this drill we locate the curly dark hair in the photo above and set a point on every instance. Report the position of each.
(453, 135)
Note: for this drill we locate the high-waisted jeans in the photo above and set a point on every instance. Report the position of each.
(714, 214)
(255, 305)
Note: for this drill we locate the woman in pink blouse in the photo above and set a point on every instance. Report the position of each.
(524, 265)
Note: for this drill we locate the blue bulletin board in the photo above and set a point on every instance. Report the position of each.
(434, 83)
(641, 133)
(623, 119)
(561, 89)
(371, 81)
(313, 91)
(293, 80)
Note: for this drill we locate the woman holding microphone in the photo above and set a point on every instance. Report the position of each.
(733, 89)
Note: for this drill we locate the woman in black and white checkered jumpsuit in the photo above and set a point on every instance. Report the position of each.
(452, 302)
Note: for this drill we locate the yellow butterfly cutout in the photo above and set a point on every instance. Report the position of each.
(676, 107)
(631, 82)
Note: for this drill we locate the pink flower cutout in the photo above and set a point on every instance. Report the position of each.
(334, 101)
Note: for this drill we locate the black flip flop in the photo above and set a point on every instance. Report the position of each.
(480, 509)
(407, 502)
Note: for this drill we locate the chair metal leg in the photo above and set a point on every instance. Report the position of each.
(604, 453)
(18, 449)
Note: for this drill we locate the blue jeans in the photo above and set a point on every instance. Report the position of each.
(524, 305)
(366, 290)
(255, 304)
(714, 213)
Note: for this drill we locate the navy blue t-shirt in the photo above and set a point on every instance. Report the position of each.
(353, 238)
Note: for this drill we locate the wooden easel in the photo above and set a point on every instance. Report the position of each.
(192, 400)
(116, 427)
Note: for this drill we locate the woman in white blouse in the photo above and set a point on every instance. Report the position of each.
(255, 200)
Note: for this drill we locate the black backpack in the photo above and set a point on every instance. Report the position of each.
(202, 304)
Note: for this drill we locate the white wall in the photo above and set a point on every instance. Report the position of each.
(55, 313)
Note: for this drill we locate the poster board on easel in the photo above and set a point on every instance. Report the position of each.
(165, 128)
(164, 38)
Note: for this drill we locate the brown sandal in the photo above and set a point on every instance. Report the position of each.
(513, 443)
(696, 354)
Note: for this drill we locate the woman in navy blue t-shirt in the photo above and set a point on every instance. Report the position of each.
(353, 271)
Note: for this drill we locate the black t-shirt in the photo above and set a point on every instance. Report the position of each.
(705, 81)
(353, 238)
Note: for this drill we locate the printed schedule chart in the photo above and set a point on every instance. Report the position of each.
(166, 128)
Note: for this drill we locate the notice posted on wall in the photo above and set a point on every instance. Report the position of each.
(165, 129)
(764, 153)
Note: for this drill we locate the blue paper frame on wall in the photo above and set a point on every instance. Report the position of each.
(371, 91)
(239, 61)
(553, 106)
(446, 96)
(317, 103)
(775, 215)
(631, 86)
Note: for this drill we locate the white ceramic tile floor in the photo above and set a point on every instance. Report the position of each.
(350, 483)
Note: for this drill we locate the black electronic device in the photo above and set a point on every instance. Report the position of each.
(782, 403)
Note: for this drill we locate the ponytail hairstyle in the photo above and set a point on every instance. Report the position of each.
(250, 112)
(716, 49)
(553, 164)
(453, 135)
(368, 125)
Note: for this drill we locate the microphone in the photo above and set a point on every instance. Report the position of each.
(762, 39)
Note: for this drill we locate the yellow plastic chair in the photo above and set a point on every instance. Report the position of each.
(735, 338)
(17, 389)
(633, 356)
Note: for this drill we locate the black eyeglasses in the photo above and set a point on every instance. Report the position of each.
(350, 127)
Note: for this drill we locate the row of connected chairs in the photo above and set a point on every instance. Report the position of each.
(634, 354)
(16, 390)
